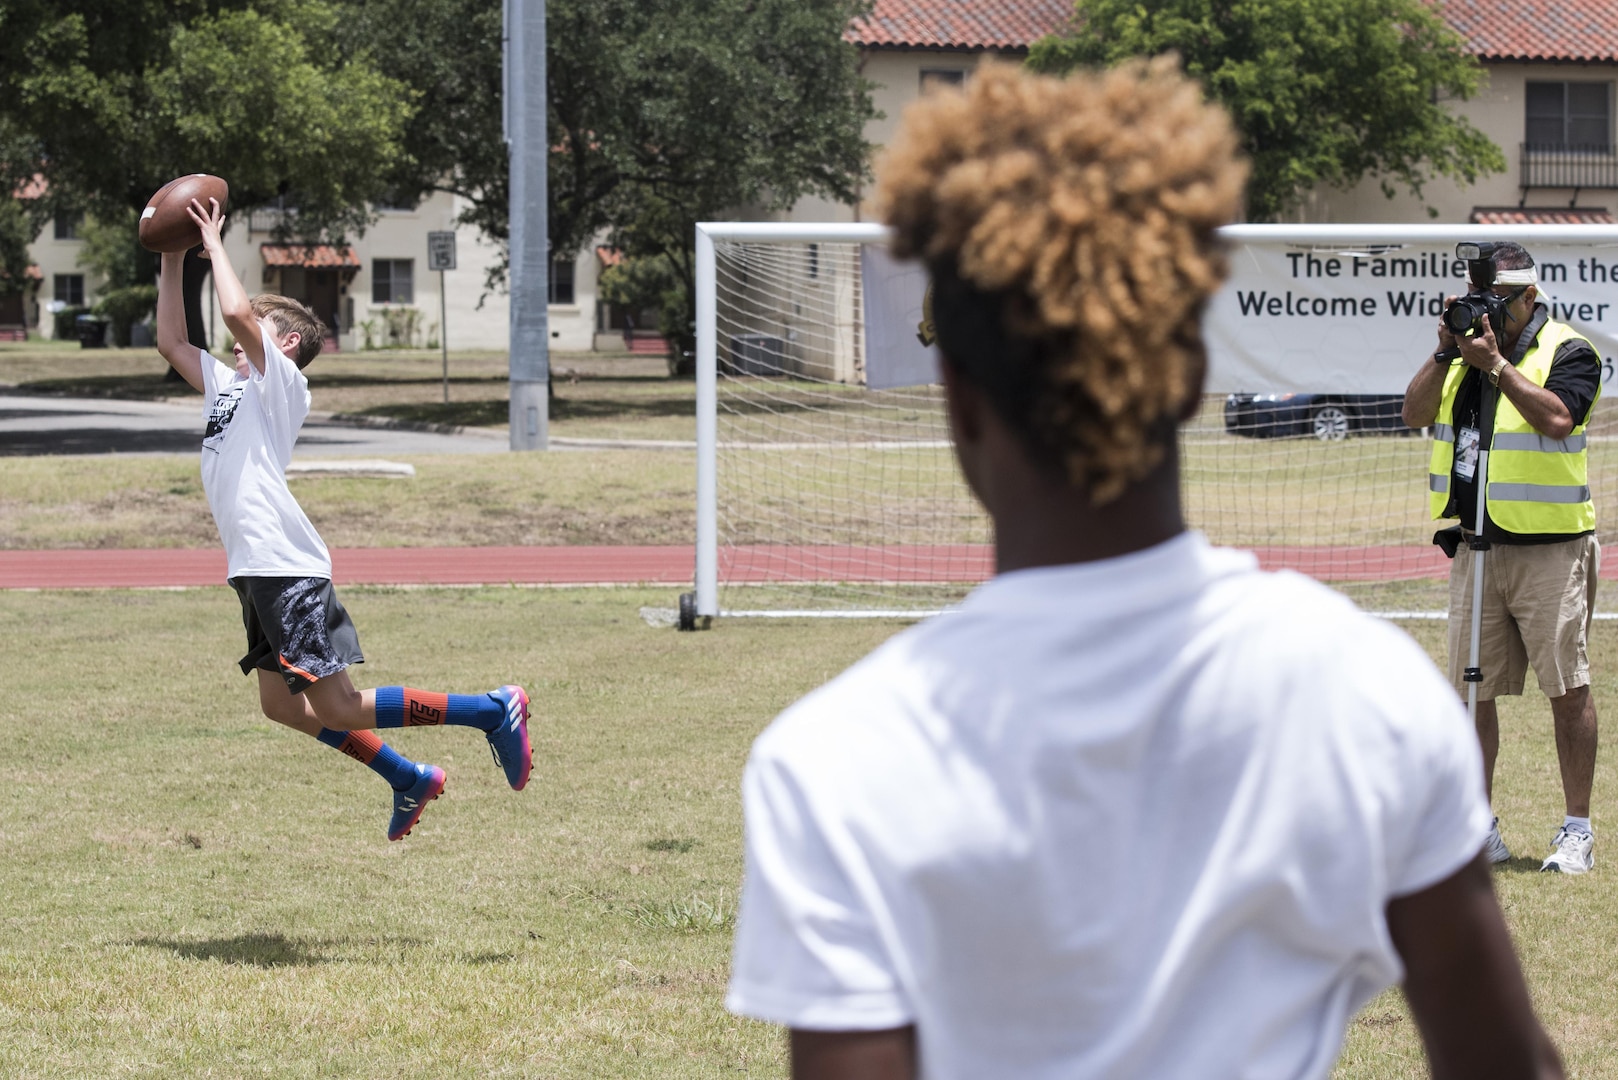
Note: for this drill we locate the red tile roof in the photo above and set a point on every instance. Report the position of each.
(31, 188)
(1572, 30)
(318, 256)
(1541, 215)
(958, 24)
(1536, 29)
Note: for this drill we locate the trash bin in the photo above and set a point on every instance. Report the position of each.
(92, 331)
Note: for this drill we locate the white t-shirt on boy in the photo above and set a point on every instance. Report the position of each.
(246, 448)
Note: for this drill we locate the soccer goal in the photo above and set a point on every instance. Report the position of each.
(826, 485)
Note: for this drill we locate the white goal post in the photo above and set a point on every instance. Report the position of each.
(825, 483)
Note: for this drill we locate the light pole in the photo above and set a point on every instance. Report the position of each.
(529, 266)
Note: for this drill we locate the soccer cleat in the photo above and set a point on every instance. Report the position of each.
(1495, 847)
(409, 803)
(509, 741)
(1571, 854)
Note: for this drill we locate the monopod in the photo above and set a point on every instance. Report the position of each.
(1479, 546)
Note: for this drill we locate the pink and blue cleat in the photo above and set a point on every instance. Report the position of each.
(409, 803)
(509, 741)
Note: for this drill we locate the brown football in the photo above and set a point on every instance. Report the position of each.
(164, 224)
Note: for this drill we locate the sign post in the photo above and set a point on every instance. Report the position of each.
(441, 257)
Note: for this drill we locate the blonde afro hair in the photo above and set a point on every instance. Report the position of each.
(1086, 209)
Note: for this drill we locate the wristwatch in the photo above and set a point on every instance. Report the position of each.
(1494, 372)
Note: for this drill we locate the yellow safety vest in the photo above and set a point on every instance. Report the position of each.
(1536, 484)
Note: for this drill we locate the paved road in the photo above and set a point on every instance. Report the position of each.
(31, 425)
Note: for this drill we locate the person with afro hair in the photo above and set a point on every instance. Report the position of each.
(1137, 808)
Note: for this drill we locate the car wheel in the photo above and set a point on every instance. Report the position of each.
(1329, 423)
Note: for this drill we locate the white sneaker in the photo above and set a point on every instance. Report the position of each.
(1495, 847)
(1572, 854)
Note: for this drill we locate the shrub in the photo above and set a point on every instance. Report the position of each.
(124, 307)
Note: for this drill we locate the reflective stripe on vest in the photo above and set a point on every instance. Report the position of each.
(1533, 440)
(1545, 493)
(1536, 484)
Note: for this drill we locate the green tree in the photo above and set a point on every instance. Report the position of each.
(16, 233)
(112, 249)
(21, 219)
(660, 112)
(111, 101)
(1323, 91)
(728, 105)
(121, 98)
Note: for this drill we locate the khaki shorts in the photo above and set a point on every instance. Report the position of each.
(1538, 600)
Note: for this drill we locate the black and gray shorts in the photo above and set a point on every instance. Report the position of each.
(297, 628)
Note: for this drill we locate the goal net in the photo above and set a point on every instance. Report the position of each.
(826, 482)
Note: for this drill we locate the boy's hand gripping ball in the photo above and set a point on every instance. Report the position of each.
(164, 224)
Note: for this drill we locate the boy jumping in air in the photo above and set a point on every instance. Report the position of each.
(298, 635)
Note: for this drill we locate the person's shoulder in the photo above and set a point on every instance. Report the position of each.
(863, 704)
(1291, 623)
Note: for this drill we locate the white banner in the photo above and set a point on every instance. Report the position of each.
(1356, 317)
(1295, 318)
(895, 295)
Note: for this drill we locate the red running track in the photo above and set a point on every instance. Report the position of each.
(663, 565)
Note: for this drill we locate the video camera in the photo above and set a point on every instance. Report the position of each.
(1465, 314)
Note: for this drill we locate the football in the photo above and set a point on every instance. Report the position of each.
(164, 224)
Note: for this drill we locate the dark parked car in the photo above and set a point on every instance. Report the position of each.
(1328, 417)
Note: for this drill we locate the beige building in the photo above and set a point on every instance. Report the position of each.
(1547, 101)
(375, 292)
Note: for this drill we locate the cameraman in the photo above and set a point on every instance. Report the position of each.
(1522, 386)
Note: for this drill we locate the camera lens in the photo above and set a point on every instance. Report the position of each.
(1461, 316)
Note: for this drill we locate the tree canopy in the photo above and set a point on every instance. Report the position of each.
(721, 106)
(114, 100)
(1323, 91)
(660, 112)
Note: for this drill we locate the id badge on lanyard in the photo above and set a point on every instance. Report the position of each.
(1466, 453)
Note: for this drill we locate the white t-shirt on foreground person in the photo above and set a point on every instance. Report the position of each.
(1107, 819)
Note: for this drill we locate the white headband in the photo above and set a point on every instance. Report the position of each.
(1525, 276)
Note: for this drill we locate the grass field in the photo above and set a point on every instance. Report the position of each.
(187, 890)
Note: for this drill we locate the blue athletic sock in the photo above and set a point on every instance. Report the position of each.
(400, 706)
(365, 748)
(1577, 824)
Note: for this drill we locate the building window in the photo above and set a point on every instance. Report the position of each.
(814, 261)
(392, 281)
(70, 289)
(67, 224)
(394, 202)
(934, 78)
(561, 281)
(1569, 116)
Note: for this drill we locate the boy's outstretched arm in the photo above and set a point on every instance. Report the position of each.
(172, 340)
(233, 305)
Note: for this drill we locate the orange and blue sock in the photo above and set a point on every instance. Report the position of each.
(365, 748)
(400, 706)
